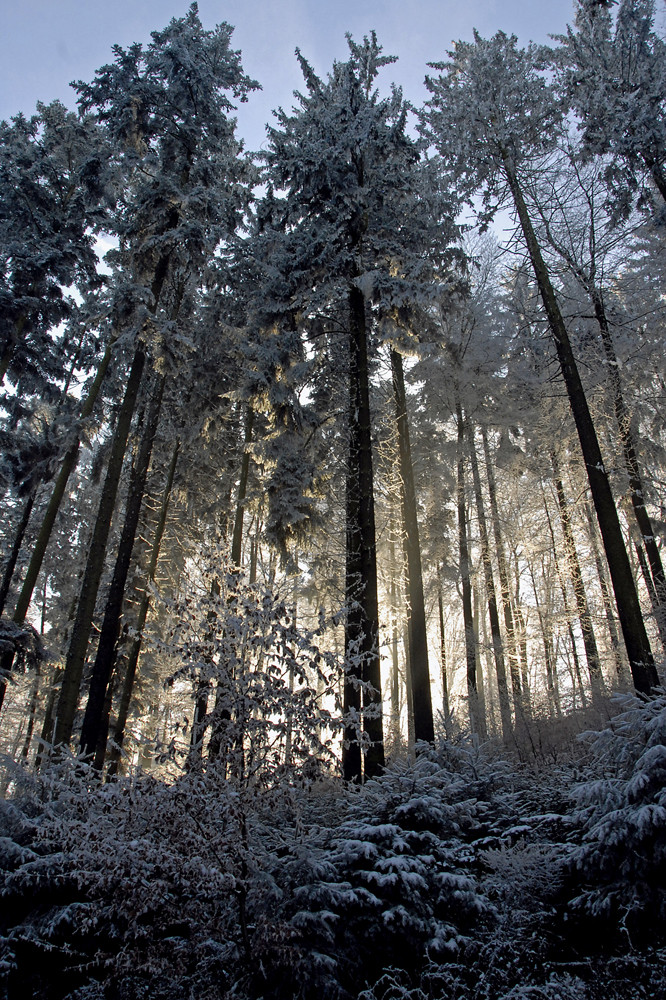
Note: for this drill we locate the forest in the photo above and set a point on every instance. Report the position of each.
(334, 498)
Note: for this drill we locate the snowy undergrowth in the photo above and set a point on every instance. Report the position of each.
(462, 875)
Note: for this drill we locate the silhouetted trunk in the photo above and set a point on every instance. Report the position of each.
(48, 520)
(221, 713)
(630, 454)
(643, 670)
(395, 670)
(418, 665)
(237, 537)
(589, 640)
(477, 722)
(12, 559)
(620, 665)
(78, 646)
(32, 711)
(46, 738)
(362, 625)
(446, 708)
(135, 648)
(108, 637)
(577, 677)
(547, 639)
(505, 591)
(493, 615)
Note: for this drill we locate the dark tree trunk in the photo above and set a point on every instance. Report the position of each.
(476, 719)
(643, 670)
(48, 520)
(32, 712)
(108, 638)
(630, 452)
(135, 648)
(620, 665)
(589, 639)
(395, 671)
(505, 591)
(493, 615)
(446, 709)
(76, 654)
(362, 626)
(577, 676)
(221, 714)
(418, 639)
(547, 640)
(14, 554)
(237, 537)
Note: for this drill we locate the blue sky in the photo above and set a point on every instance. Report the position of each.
(44, 44)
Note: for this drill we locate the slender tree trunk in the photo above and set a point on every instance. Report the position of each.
(589, 639)
(108, 638)
(221, 714)
(237, 536)
(630, 453)
(76, 654)
(481, 689)
(493, 615)
(477, 722)
(51, 512)
(14, 554)
(362, 626)
(505, 590)
(620, 666)
(643, 670)
(547, 639)
(32, 711)
(418, 645)
(567, 611)
(135, 648)
(446, 708)
(46, 737)
(395, 669)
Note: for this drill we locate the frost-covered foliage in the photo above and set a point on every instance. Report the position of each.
(52, 192)
(458, 875)
(491, 106)
(621, 813)
(269, 676)
(613, 70)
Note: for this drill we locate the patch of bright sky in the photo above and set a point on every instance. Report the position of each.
(44, 44)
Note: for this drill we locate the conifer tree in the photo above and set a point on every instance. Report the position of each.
(349, 180)
(491, 115)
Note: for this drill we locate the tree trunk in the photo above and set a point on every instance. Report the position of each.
(643, 670)
(57, 493)
(477, 722)
(237, 537)
(493, 615)
(76, 654)
(108, 638)
(620, 665)
(577, 676)
(589, 640)
(362, 625)
(221, 714)
(14, 554)
(418, 666)
(395, 670)
(505, 591)
(135, 648)
(446, 708)
(547, 639)
(630, 453)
